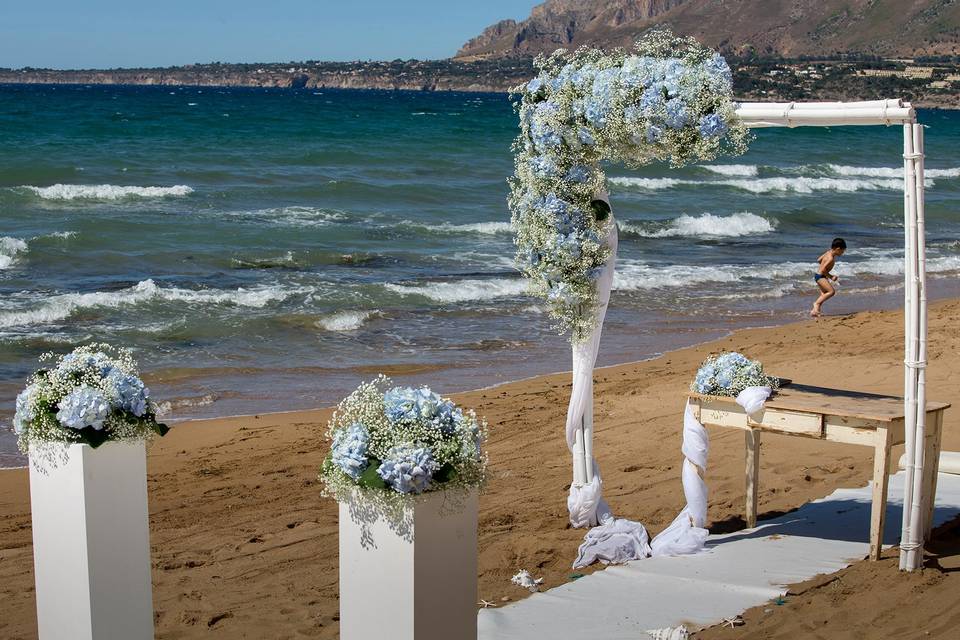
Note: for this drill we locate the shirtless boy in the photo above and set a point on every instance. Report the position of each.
(823, 277)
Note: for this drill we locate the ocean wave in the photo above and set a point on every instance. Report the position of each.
(463, 290)
(799, 184)
(286, 261)
(105, 191)
(299, 216)
(705, 225)
(732, 169)
(345, 320)
(486, 228)
(483, 228)
(60, 307)
(10, 249)
(890, 172)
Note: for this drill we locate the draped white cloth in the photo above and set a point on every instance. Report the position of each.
(585, 502)
(617, 540)
(686, 534)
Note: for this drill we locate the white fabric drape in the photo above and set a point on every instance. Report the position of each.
(686, 534)
(585, 502)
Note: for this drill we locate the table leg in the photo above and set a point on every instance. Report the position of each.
(881, 479)
(931, 459)
(752, 474)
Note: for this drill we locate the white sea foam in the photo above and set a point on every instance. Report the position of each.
(345, 320)
(60, 307)
(707, 225)
(61, 235)
(732, 169)
(298, 216)
(10, 248)
(106, 191)
(463, 290)
(799, 184)
(486, 228)
(651, 184)
(890, 172)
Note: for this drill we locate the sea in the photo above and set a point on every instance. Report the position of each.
(266, 250)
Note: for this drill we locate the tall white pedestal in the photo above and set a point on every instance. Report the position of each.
(418, 586)
(91, 544)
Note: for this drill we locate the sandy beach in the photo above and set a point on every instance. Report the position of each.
(244, 546)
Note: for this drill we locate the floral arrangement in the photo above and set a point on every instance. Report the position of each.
(671, 100)
(397, 442)
(91, 395)
(730, 373)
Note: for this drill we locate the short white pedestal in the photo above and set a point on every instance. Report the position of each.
(91, 544)
(418, 586)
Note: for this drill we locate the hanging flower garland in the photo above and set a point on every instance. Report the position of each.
(672, 101)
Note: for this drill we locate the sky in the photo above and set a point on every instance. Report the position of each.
(75, 34)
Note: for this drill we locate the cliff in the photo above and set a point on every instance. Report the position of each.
(790, 28)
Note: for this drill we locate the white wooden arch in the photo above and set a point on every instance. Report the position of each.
(868, 113)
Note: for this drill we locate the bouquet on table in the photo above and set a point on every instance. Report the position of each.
(392, 443)
(92, 395)
(730, 373)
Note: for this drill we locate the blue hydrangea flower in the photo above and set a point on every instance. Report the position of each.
(408, 469)
(712, 126)
(586, 137)
(561, 292)
(83, 407)
(406, 404)
(654, 133)
(128, 392)
(673, 72)
(724, 377)
(349, 451)
(677, 115)
(24, 413)
(552, 204)
(578, 173)
(544, 166)
(719, 71)
(535, 85)
(637, 71)
(77, 363)
(652, 99)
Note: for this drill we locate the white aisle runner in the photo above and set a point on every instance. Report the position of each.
(737, 571)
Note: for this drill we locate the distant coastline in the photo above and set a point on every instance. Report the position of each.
(927, 84)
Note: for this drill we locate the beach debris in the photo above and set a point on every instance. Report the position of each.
(486, 603)
(527, 581)
(669, 633)
(735, 621)
(575, 576)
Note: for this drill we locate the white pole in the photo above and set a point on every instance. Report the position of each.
(917, 525)
(909, 346)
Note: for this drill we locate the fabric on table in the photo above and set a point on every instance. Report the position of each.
(752, 398)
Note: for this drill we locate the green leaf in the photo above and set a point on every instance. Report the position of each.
(443, 473)
(160, 428)
(92, 437)
(369, 477)
(601, 210)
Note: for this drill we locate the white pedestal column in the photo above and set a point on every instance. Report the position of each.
(415, 585)
(91, 544)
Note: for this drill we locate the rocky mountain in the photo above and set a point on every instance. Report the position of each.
(791, 28)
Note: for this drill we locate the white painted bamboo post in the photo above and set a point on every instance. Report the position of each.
(917, 524)
(909, 194)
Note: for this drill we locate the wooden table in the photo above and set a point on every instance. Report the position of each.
(851, 417)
